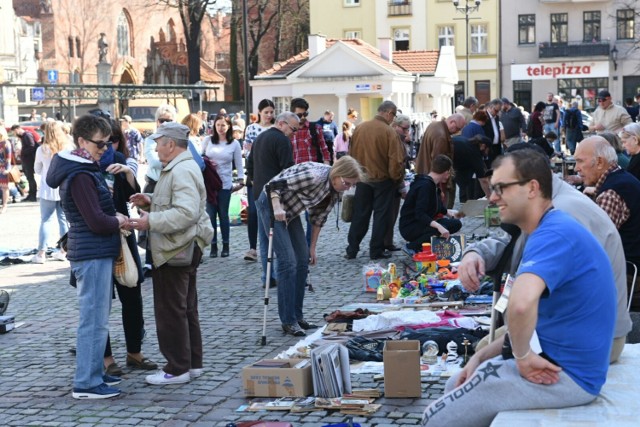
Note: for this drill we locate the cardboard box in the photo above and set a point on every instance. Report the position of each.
(269, 381)
(402, 368)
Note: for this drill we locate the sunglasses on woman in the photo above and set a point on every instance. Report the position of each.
(100, 144)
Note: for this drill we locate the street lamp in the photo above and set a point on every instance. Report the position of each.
(614, 57)
(467, 10)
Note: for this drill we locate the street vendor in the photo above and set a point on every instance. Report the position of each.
(484, 256)
(560, 320)
(313, 187)
(423, 213)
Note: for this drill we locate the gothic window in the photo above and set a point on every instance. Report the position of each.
(124, 34)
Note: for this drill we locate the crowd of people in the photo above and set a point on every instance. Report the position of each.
(294, 171)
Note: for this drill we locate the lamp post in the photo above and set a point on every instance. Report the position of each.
(467, 10)
(614, 57)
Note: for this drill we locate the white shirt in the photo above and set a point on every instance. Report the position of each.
(224, 155)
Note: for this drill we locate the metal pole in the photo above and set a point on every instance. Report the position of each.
(247, 76)
(466, 16)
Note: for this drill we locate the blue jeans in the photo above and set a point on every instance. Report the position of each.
(47, 208)
(263, 236)
(290, 245)
(252, 219)
(94, 289)
(221, 210)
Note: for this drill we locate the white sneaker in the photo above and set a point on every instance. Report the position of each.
(195, 373)
(37, 259)
(251, 255)
(59, 256)
(161, 378)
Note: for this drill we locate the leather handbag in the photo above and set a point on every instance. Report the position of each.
(14, 174)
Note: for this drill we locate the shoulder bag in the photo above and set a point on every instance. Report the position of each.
(125, 270)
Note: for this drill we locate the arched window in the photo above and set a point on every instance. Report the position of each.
(124, 34)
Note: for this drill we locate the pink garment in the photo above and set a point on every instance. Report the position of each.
(340, 144)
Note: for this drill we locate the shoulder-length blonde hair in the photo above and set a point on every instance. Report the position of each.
(55, 139)
(193, 122)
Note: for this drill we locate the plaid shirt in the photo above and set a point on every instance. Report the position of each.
(611, 202)
(308, 189)
(303, 149)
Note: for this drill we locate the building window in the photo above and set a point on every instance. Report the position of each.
(591, 26)
(351, 3)
(282, 103)
(559, 28)
(78, 50)
(445, 36)
(526, 29)
(625, 24)
(353, 34)
(479, 38)
(71, 46)
(124, 39)
(582, 90)
(75, 77)
(522, 94)
(401, 39)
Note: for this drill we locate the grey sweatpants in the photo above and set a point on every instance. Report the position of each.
(497, 386)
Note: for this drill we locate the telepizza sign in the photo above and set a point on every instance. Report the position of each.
(564, 70)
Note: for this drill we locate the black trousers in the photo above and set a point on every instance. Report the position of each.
(376, 198)
(27, 169)
(416, 234)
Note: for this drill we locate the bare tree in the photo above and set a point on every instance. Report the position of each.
(192, 12)
(79, 38)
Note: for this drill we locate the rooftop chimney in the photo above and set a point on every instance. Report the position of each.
(317, 45)
(384, 44)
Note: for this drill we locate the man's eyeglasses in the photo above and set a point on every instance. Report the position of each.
(499, 187)
(100, 144)
(405, 128)
(602, 99)
(301, 115)
(347, 184)
(293, 129)
(161, 120)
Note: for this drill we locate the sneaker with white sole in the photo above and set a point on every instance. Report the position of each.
(111, 380)
(251, 255)
(161, 378)
(59, 256)
(195, 373)
(102, 391)
(37, 259)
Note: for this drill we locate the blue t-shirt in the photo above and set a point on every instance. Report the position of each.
(577, 311)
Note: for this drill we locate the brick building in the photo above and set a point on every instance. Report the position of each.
(146, 43)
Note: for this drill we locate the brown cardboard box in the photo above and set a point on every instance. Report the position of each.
(270, 381)
(402, 369)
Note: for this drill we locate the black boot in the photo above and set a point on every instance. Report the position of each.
(214, 251)
(225, 250)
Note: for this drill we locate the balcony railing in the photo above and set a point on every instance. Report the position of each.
(399, 8)
(573, 49)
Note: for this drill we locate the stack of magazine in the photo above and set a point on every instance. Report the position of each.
(330, 370)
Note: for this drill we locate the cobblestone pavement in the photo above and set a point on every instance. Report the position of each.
(36, 367)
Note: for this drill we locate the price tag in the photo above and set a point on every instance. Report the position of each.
(502, 303)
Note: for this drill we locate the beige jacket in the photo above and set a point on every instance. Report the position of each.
(178, 214)
(613, 118)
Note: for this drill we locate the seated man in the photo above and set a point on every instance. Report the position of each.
(423, 214)
(487, 254)
(616, 191)
(568, 313)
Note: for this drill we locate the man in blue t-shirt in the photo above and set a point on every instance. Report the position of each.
(560, 320)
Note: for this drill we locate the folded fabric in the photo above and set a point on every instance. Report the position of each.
(392, 319)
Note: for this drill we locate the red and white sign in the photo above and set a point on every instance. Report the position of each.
(563, 70)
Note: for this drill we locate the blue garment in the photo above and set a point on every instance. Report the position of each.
(290, 246)
(47, 209)
(577, 311)
(221, 210)
(94, 289)
(83, 243)
(473, 129)
(628, 187)
(196, 156)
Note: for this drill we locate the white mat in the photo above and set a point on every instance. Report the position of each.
(618, 404)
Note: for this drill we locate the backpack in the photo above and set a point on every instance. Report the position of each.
(314, 142)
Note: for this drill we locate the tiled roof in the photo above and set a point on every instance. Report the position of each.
(417, 61)
(209, 74)
(284, 68)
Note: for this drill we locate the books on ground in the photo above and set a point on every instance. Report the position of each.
(330, 370)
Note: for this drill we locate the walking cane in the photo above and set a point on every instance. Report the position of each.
(278, 185)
